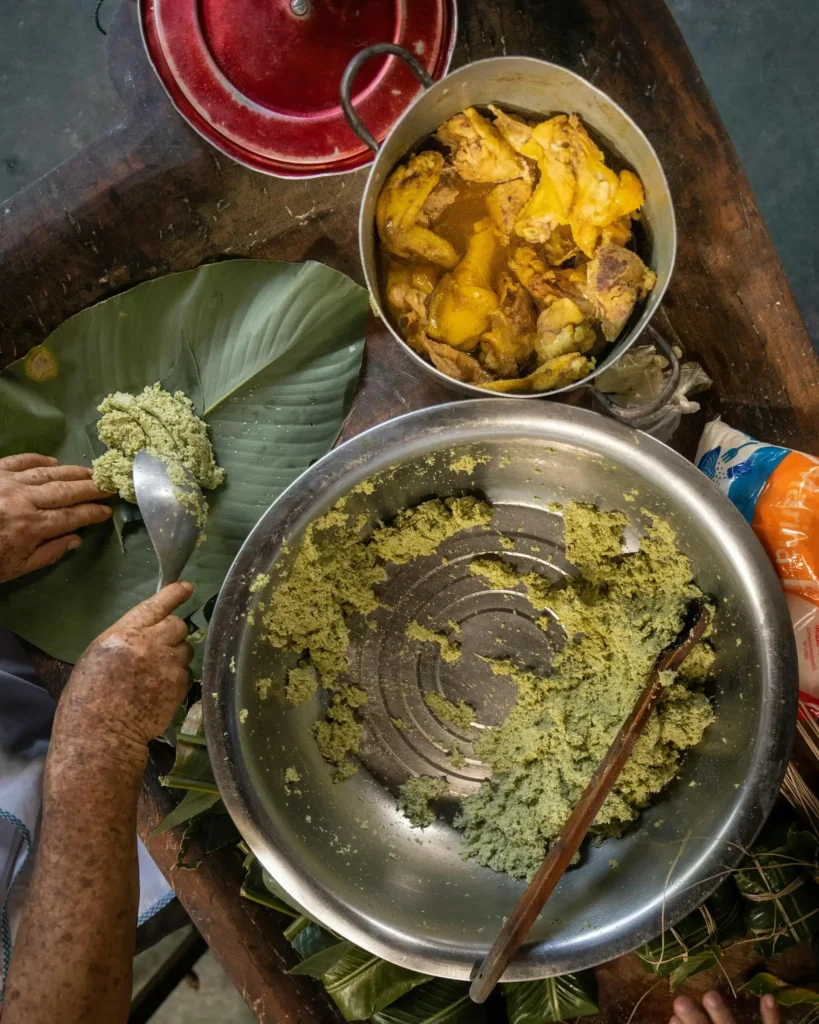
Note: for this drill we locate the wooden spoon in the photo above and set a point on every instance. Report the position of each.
(579, 822)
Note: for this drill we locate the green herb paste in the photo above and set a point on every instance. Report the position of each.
(333, 575)
(617, 614)
(415, 796)
(164, 425)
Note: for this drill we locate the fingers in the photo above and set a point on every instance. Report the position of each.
(55, 522)
(18, 463)
(45, 474)
(52, 551)
(63, 493)
(716, 1008)
(156, 608)
(769, 1009)
(171, 630)
(686, 1011)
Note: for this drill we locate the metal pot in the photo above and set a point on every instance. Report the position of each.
(525, 84)
(343, 851)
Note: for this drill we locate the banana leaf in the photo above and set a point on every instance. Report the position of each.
(695, 964)
(191, 768)
(359, 983)
(277, 349)
(254, 888)
(718, 920)
(781, 898)
(788, 995)
(562, 998)
(437, 1002)
(192, 804)
(311, 939)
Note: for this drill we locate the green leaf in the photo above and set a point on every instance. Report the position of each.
(703, 961)
(312, 939)
(437, 1002)
(191, 767)
(719, 919)
(253, 888)
(359, 983)
(277, 346)
(562, 998)
(221, 831)
(192, 804)
(788, 995)
(782, 900)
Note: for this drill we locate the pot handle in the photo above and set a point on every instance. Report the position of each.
(645, 415)
(352, 69)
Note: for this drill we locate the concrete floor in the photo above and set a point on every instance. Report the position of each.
(756, 57)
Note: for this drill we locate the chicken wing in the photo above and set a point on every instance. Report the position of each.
(561, 329)
(399, 205)
(504, 203)
(616, 279)
(517, 133)
(463, 300)
(510, 341)
(557, 373)
(479, 151)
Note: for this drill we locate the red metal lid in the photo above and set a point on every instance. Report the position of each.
(260, 78)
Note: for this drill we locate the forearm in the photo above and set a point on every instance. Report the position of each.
(73, 956)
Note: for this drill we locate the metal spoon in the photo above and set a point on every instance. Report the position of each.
(172, 526)
(514, 932)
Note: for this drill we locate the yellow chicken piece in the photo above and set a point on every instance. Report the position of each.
(463, 300)
(399, 205)
(534, 275)
(552, 199)
(506, 347)
(504, 203)
(454, 363)
(517, 133)
(601, 197)
(557, 373)
(616, 280)
(479, 151)
(407, 291)
(561, 329)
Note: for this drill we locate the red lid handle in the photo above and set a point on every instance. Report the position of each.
(352, 70)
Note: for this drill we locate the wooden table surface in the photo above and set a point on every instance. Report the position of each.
(151, 197)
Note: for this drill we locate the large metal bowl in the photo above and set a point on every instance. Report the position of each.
(342, 850)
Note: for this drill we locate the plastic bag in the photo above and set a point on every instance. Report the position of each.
(639, 377)
(777, 490)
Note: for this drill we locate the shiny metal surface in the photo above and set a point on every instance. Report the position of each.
(536, 86)
(343, 851)
(171, 525)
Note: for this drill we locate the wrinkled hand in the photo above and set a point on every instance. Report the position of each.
(41, 505)
(126, 687)
(714, 1010)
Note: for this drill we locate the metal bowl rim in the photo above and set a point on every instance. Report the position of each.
(460, 422)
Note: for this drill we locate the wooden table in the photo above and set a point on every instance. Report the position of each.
(151, 197)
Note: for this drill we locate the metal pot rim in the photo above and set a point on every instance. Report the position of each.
(375, 297)
(374, 450)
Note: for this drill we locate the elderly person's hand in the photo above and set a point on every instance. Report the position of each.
(714, 1010)
(42, 504)
(128, 684)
